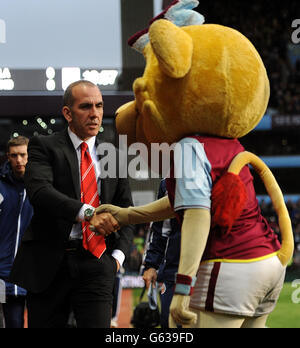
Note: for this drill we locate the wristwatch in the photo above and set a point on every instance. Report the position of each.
(88, 214)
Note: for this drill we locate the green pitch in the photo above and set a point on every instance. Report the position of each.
(286, 313)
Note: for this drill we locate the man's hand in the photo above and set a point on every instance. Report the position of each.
(104, 224)
(120, 214)
(149, 277)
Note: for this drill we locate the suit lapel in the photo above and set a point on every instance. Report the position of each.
(71, 156)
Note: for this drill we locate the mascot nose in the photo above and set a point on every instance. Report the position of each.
(140, 85)
(140, 91)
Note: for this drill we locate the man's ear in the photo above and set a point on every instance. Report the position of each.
(67, 113)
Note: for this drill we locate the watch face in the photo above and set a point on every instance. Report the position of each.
(88, 213)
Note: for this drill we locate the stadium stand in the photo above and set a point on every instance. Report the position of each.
(268, 25)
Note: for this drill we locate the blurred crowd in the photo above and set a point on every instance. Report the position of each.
(268, 25)
(294, 211)
(134, 262)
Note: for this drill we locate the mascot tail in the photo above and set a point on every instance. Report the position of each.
(233, 188)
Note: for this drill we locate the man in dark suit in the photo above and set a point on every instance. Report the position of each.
(59, 272)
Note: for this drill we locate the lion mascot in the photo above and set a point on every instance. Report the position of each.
(204, 86)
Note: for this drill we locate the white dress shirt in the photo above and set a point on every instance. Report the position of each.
(76, 232)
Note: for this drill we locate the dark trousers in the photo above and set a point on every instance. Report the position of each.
(13, 312)
(84, 284)
(166, 297)
(117, 294)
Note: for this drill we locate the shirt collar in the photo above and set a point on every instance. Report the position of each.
(77, 141)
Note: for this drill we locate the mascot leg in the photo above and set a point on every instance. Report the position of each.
(255, 323)
(206, 320)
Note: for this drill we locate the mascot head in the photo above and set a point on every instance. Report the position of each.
(199, 79)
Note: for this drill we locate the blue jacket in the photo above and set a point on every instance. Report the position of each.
(163, 250)
(15, 216)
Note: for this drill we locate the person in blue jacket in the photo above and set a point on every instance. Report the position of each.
(162, 258)
(15, 216)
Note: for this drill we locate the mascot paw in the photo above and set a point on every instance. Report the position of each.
(107, 208)
(179, 313)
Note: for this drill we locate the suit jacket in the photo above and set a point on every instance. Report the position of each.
(53, 185)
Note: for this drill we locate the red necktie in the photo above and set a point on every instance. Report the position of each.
(89, 195)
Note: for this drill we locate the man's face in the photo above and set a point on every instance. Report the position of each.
(18, 158)
(85, 115)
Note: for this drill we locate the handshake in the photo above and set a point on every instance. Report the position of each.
(105, 220)
(110, 218)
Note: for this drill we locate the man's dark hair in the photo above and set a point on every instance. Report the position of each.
(17, 141)
(68, 95)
